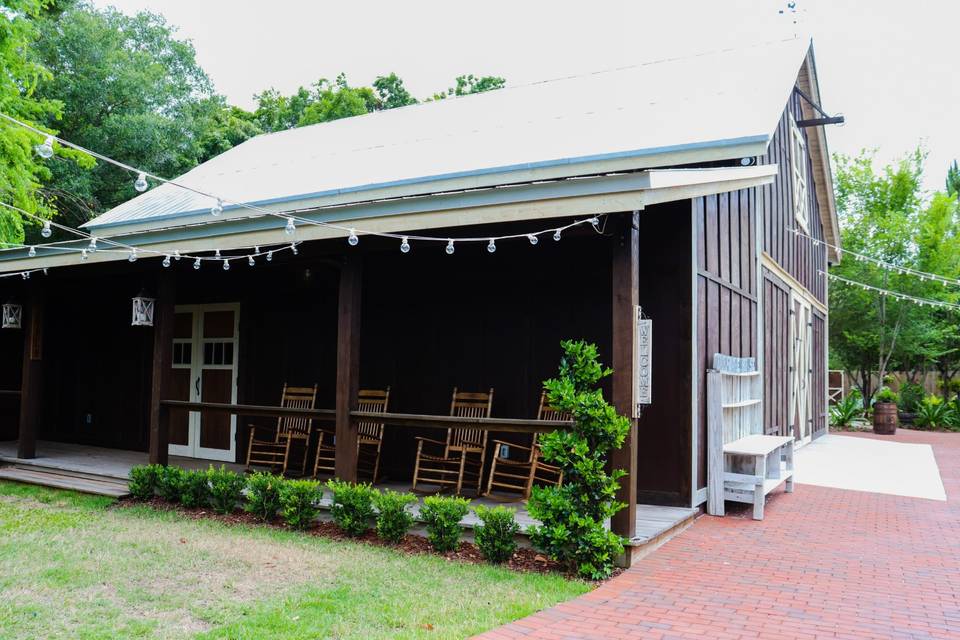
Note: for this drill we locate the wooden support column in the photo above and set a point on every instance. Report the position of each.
(348, 367)
(31, 384)
(626, 282)
(163, 318)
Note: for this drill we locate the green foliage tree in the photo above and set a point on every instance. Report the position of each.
(470, 84)
(884, 214)
(391, 93)
(953, 179)
(573, 514)
(129, 89)
(22, 172)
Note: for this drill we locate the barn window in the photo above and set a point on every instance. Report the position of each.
(798, 163)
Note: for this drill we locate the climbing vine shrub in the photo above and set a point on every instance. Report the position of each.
(573, 515)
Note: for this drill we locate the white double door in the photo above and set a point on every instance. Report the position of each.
(204, 369)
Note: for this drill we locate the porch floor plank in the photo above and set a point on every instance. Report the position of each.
(48, 478)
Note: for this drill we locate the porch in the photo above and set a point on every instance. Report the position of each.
(105, 471)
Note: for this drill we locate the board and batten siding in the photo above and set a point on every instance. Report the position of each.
(726, 295)
(776, 356)
(795, 254)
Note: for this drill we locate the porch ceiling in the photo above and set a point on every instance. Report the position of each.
(531, 202)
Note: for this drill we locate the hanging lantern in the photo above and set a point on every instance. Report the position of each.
(12, 315)
(142, 311)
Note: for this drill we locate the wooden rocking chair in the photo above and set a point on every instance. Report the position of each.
(275, 452)
(518, 475)
(369, 437)
(464, 451)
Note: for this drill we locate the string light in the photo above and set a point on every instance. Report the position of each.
(133, 255)
(217, 208)
(290, 228)
(269, 256)
(92, 247)
(923, 302)
(556, 235)
(176, 255)
(251, 261)
(293, 247)
(46, 231)
(450, 248)
(196, 264)
(166, 262)
(83, 255)
(533, 238)
(404, 245)
(492, 246)
(45, 150)
(353, 240)
(226, 265)
(140, 184)
(32, 252)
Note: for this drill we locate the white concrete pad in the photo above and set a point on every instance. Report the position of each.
(877, 466)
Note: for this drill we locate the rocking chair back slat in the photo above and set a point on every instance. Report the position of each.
(468, 405)
(373, 400)
(296, 398)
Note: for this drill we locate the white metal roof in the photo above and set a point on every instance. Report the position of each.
(717, 105)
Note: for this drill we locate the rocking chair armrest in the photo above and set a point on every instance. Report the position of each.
(513, 445)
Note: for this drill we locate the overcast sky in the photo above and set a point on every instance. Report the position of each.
(886, 64)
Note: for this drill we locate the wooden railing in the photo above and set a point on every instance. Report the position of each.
(513, 425)
(9, 392)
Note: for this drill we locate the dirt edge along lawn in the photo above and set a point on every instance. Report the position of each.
(79, 566)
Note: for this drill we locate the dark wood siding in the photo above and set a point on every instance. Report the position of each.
(776, 355)
(797, 255)
(819, 381)
(726, 290)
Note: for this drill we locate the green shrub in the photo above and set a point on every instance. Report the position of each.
(169, 481)
(933, 412)
(911, 395)
(847, 410)
(193, 489)
(442, 515)
(352, 507)
(496, 537)
(572, 516)
(885, 394)
(225, 488)
(143, 480)
(300, 502)
(262, 495)
(393, 518)
(952, 419)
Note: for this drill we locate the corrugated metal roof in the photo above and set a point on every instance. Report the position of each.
(698, 102)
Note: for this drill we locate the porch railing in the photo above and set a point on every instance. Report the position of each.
(411, 420)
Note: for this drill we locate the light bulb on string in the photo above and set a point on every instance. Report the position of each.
(176, 254)
(141, 182)
(217, 208)
(32, 252)
(291, 228)
(556, 235)
(251, 261)
(450, 248)
(133, 255)
(293, 247)
(595, 222)
(46, 231)
(26, 275)
(353, 240)
(196, 264)
(226, 265)
(92, 247)
(166, 262)
(404, 245)
(491, 246)
(216, 254)
(533, 238)
(83, 255)
(45, 150)
(269, 256)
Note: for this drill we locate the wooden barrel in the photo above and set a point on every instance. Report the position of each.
(885, 418)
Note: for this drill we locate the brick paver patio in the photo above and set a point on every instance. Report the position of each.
(824, 563)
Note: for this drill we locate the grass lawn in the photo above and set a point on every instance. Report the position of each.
(72, 567)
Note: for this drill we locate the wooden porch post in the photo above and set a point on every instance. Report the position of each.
(160, 378)
(626, 282)
(31, 384)
(348, 367)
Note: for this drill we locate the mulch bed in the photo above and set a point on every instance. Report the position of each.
(523, 560)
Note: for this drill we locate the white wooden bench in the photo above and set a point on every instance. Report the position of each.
(743, 464)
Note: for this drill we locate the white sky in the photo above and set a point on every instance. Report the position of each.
(886, 65)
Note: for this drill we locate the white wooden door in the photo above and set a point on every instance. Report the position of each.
(801, 353)
(205, 356)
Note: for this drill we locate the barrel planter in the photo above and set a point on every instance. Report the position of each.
(885, 418)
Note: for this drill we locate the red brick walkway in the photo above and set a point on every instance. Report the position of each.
(824, 563)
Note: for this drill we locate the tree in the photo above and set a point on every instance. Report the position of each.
(391, 92)
(884, 215)
(129, 89)
(953, 179)
(470, 84)
(21, 170)
(337, 99)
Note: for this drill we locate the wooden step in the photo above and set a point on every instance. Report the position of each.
(84, 483)
(656, 525)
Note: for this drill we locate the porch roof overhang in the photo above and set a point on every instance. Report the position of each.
(468, 206)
